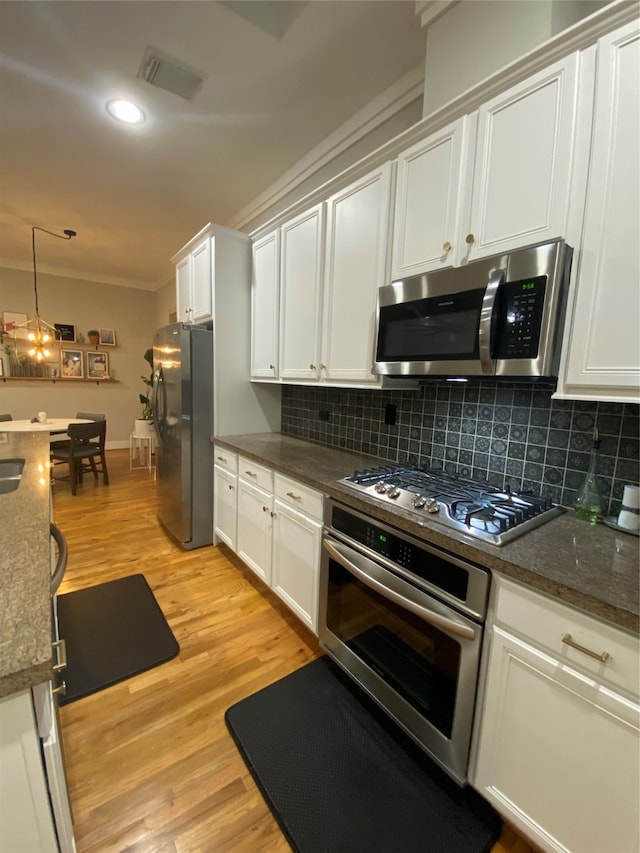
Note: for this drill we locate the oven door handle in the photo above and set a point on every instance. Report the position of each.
(451, 626)
(486, 315)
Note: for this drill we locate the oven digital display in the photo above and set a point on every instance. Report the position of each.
(432, 568)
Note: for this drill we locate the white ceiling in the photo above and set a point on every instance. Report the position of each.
(279, 78)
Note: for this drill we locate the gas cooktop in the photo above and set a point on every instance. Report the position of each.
(474, 507)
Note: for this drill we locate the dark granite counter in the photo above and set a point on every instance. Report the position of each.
(595, 569)
(25, 563)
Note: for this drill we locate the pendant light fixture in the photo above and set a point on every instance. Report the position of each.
(39, 334)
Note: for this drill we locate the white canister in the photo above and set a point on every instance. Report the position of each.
(42, 417)
(629, 517)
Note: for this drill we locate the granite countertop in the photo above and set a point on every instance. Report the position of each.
(25, 564)
(592, 568)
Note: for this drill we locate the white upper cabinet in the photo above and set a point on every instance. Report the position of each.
(523, 163)
(301, 266)
(427, 201)
(492, 181)
(356, 266)
(265, 284)
(602, 354)
(194, 285)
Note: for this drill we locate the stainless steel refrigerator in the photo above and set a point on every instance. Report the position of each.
(182, 396)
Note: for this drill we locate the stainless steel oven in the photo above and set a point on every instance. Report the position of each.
(405, 621)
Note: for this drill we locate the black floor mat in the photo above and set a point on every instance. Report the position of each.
(111, 631)
(339, 776)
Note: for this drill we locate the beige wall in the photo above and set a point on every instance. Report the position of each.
(476, 38)
(87, 305)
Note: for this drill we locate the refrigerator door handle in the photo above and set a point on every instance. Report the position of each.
(159, 402)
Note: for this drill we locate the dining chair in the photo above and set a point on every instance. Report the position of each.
(82, 453)
(86, 416)
(6, 418)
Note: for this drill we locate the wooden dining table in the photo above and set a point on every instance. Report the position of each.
(52, 425)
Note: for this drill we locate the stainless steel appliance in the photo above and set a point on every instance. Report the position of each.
(405, 620)
(470, 506)
(182, 398)
(499, 317)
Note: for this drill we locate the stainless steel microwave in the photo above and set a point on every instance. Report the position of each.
(500, 317)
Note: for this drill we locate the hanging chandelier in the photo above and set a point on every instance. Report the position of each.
(39, 334)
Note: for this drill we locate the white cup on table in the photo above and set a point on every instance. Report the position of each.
(42, 417)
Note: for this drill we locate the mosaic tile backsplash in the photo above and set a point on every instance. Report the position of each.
(505, 433)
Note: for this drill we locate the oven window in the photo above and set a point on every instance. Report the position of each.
(415, 658)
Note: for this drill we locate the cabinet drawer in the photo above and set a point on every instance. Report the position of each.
(226, 459)
(546, 622)
(253, 472)
(301, 497)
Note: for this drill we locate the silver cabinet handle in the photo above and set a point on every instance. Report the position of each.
(250, 473)
(312, 367)
(61, 690)
(273, 515)
(61, 648)
(450, 626)
(272, 367)
(222, 458)
(230, 487)
(603, 657)
(295, 497)
(265, 509)
(486, 312)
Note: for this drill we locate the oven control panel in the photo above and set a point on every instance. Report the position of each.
(422, 563)
(521, 320)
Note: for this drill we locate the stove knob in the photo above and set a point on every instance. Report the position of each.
(418, 502)
(432, 505)
(380, 487)
(393, 492)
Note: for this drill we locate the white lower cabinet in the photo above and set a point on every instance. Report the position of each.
(279, 531)
(297, 539)
(225, 496)
(255, 504)
(558, 746)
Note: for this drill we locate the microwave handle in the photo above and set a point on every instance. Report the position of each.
(486, 313)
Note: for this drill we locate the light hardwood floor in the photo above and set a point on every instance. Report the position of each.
(151, 766)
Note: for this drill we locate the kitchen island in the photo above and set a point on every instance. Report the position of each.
(593, 568)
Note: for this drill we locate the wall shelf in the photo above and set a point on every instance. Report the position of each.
(60, 379)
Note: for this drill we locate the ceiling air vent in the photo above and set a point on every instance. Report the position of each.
(167, 73)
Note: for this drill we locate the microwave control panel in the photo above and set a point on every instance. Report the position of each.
(521, 317)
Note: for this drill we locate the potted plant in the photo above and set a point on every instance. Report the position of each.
(94, 336)
(144, 424)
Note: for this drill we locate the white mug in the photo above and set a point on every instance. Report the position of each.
(42, 417)
(629, 517)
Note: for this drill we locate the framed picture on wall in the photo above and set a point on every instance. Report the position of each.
(97, 365)
(1, 367)
(108, 337)
(72, 366)
(66, 332)
(12, 322)
(53, 370)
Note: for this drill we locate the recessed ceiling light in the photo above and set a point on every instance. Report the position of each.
(125, 111)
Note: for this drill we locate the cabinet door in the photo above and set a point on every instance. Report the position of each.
(523, 162)
(603, 355)
(296, 562)
(428, 200)
(301, 246)
(184, 306)
(225, 488)
(201, 282)
(254, 528)
(264, 307)
(558, 753)
(356, 266)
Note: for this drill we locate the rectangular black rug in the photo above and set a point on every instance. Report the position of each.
(112, 631)
(340, 776)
